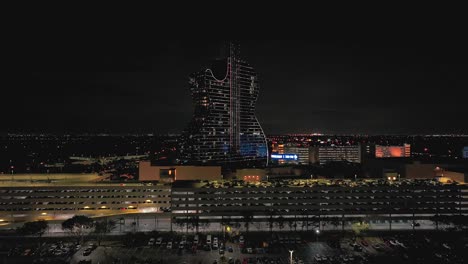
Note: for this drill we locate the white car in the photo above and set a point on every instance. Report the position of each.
(151, 241)
(241, 240)
(215, 245)
(159, 241)
(169, 245)
(318, 257)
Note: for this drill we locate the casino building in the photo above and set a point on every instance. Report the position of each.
(224, 128)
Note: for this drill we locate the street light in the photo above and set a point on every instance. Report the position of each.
(317, 232)
(291, 256)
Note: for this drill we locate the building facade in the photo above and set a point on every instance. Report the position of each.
(232, 201)
(224, 128)
(148, 172)
(324, 154)
(60, 198)
(304, 200)
(393, 151)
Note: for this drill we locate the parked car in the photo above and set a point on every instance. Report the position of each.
(151, 241)
(241, 240)
(159, 241)
(169, 245)
(87, 252)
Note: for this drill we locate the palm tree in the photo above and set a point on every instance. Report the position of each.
(290, 224)
(121, 219)
(305, 219)
(334, 221)
(224, 223)
(280, 222)
(271, 220)
(247, 217)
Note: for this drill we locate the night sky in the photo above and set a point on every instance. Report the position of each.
(381, 85)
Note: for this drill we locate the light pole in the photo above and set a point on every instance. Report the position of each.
(317, 232)
(291, 256)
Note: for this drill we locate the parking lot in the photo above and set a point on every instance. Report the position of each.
(252, 248)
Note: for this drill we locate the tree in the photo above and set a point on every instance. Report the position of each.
(459, 221)
(315, 221)
(225, 222)
(305, 219)
(290, 224)
(121, 222)
(180, 222)
(271, 220)
(334, 221)
(359, 227)
(77, 225)
(104, 227)
(203, 225)
(440, 220)
(280, 222)
(36, 228)
(247, 217)
(193, 223)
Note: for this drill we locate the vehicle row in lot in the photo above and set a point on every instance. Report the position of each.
(58, 249)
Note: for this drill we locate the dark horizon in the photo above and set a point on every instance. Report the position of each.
(366, 86)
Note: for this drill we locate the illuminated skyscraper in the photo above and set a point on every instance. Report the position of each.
(224, 128)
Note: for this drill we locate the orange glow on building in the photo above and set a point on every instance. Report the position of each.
(252, 178)
(393, 151)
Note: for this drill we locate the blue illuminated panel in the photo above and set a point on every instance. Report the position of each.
(284, 156)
